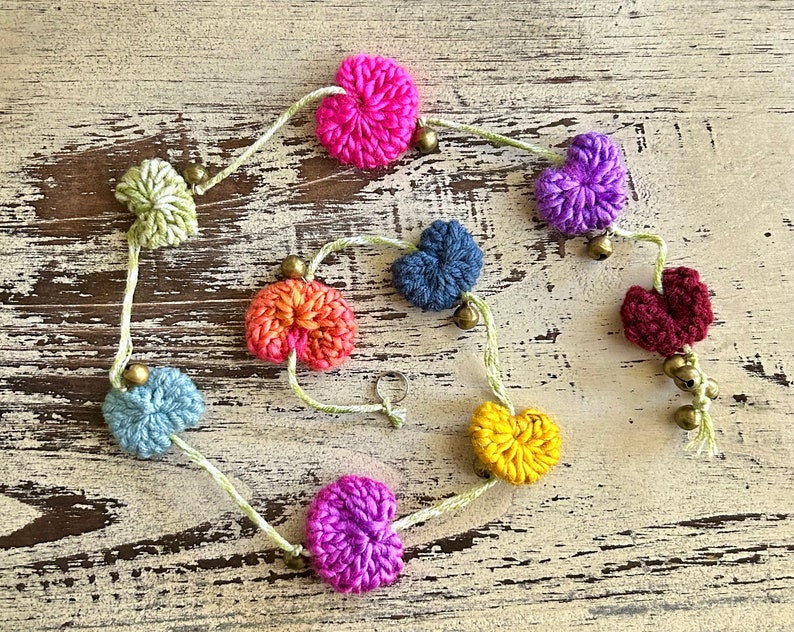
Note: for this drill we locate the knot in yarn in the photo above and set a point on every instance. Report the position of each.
(516, 448)
(374, 121)
(587, 192)
(160, 199)
(142, 417)
(311, 318)
(397, 414)
(666, 323)
(447, 264)
(349, 535)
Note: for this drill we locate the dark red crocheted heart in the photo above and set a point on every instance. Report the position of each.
(665, 323)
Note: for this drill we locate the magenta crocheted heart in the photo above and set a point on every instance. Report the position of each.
(349, 534)
(587, 192)
(374, 121)
(665, 323)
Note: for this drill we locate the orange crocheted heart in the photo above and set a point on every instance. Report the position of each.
(311, 318)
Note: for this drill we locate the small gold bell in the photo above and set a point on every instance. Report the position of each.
(712, 388)
(599, 248)
(295, 562)
(672, 364)
(425, 139)
(293, 267)
(466, 316)
(687, 417)
(687, 378)
(480, 469)
(136, 374)
(195, 173)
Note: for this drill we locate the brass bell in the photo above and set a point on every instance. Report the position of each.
(425, 139)
(599, 247)
(293, 267)
(687, 378)
(466, 316)
(295, 562)
(672, 364)
(195, 173)
(687, 417)
(480, 469)
(136, 374)
(712, 388)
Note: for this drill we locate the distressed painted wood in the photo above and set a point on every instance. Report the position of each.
(628, 533)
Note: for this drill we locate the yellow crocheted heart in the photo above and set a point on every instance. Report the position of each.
(517, 448)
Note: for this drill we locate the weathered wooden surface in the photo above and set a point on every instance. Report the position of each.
(628, 533)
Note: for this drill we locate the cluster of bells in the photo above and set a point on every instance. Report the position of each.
(688, 379)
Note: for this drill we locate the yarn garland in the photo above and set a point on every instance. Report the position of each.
(666, 323)
(368, 121)
(587, 192)
(447, 264)
(349, 535)
(142, 418)
(312, 319)
(374, 121)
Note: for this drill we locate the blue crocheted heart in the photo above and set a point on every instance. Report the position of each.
(447, 264)
(142, 418)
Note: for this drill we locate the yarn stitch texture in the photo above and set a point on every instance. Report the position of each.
(311, 318)
(666, 323)
(516, 448)
(447, 264)
(142, 417)
(350, 537)
(374, 122)
(587, 192)
(160, 199)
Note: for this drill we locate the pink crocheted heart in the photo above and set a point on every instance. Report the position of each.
(665, 323)
(373, 122)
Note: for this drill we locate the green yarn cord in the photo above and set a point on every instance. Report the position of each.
(449, 504)
(124, 352)
(359, 240)
(321, 93)
(493, 370)
(660, 258)
(498, 139)
(219, 477)
(395, 414)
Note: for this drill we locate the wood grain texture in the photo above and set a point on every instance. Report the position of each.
(628, 533)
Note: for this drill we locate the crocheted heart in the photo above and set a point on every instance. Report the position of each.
(447, 264)
(665, 323)
(374, 121)
(142, 418)
(587, 192)
(349, 534)
(311, 318)
(517, 448)
(164, 206)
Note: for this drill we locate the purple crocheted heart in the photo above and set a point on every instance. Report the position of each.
(587, 192)
(349, 534)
